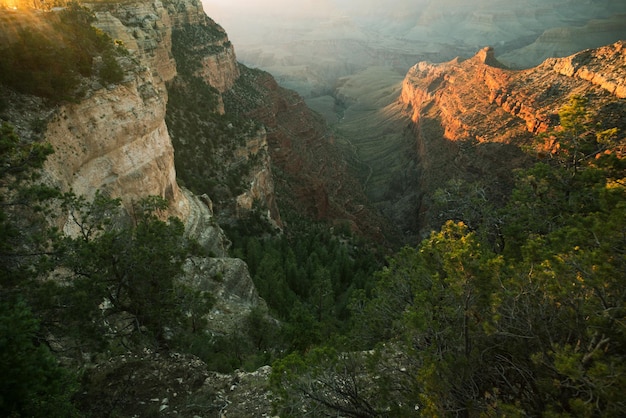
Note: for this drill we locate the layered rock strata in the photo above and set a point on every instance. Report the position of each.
(116, 139)
(470, 116)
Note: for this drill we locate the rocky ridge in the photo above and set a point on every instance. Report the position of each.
(172, 384)
(470, 115)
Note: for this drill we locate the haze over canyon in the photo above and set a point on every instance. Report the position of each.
(348, 60)
(389, 209)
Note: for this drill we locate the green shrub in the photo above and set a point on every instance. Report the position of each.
(110, 72)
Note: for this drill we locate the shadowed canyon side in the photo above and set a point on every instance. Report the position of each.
(312, 177)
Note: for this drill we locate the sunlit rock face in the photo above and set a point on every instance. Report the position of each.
(603, 67)
(470, 116)
(479, 99)
(116, 141)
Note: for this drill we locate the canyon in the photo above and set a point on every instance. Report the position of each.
(349, 65)
(309, 51)
(221, 141)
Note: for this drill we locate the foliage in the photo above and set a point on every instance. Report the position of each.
(472, 203)
(326, 383)
(50, 63)
(537, 329)
(113, 282)
(33, 384)
(205, 140)
(306, 277)
(21, 202)
(110, 71)
(132, 266)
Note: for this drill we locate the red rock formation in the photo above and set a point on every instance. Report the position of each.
(459, 106)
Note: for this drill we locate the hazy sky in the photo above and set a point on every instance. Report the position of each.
(248, 22)
(311, 8)
(270, 7)
(244, 20)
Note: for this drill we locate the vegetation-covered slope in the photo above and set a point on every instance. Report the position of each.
(461, 325)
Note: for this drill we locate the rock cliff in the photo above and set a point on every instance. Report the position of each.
(217, 153)
(114, 138)
(145, 28)
(469, 116)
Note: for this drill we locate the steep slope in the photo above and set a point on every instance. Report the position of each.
(113, 137)
(471, 117)
(218, 154)
(312, 176)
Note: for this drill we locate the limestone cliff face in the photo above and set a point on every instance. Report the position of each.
(469, 116)
(116, 138)
(145, 28)
(185, 12)
(261, 182)
(221, 69)
(477, 98)
(603, 67)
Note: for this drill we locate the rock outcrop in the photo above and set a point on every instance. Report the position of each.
(116, 139)
(470, 115)
(222, 155)
(603, 67)
(221, 69)
(144, 28)
(172, 384)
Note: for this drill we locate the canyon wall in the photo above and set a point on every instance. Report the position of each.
(315, 179)
(115, 139)
(471, 117)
